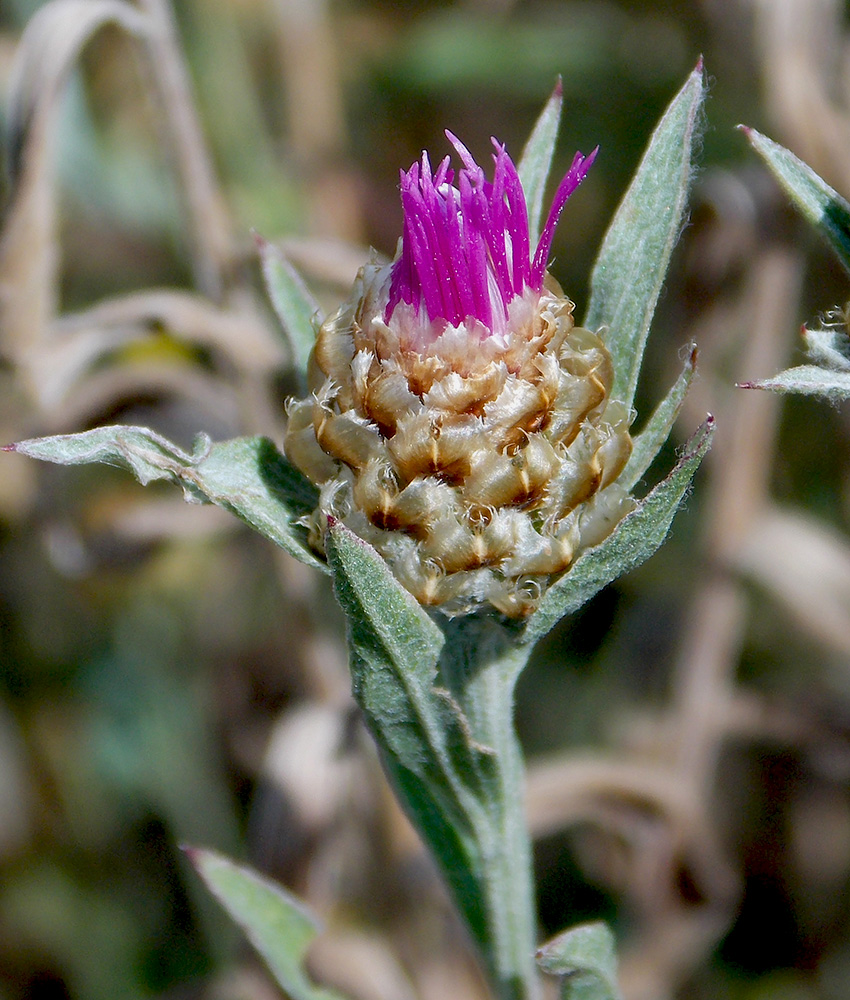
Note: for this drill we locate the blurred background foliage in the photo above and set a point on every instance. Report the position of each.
(167, 677)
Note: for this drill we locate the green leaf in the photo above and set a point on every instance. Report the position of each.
(295, 307)
(277, 924)
(651, 439)
(394, 649)
(536, 160)
(439, 704)
(635, 254)
(247, 476)
(631, 543)
(822, 206)
(586, 960)
(810, 380)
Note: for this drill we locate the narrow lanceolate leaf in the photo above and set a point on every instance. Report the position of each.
(394, 649)
(822, 206)
(810, 380)
(631, 543)
(277, 924)
(295, 307)
(536, 161)
(647, 444)
(585, 959)
(247, 476)
(635, 254)
(445, 779)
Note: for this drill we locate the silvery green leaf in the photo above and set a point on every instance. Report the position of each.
(631, 266)
(439, 704)
(828, 347)
(536, 160)
(585, 959)
(394, 647)
(631, 543)
(818, 202)
(247, 476)
(296, 309)
(277, 924)
(647, 444)
(810, 380)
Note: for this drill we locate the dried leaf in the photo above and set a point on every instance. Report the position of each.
(29, 252)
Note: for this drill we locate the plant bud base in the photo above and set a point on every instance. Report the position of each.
(477, 465)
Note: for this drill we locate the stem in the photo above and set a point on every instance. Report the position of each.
(480, 666)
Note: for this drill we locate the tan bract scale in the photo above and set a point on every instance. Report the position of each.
(478, 466)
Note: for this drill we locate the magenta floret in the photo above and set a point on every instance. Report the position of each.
(466, 249)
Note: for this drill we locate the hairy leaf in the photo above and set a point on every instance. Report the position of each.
(810, 380)
(247, 476)
(585, 959)
(439, 703)
(635, 254)
(654, 434)
(394, 650)
(277, 924)
(822, 206)
(295, 307)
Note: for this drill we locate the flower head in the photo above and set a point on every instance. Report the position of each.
(460, 422)
(465, 251)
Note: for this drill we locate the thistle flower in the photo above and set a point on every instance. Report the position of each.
(460, 422)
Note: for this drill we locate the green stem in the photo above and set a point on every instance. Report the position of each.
(480, 664)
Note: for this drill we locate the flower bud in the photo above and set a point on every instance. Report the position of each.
(459, 421)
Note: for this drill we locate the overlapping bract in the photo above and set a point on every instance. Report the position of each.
(459, 421)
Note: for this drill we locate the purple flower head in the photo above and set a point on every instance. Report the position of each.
(466, 251)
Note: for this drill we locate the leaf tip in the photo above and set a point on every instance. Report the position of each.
(700, 66)
(9, 447)
(558, 92)
(260, 242)
(747, 385)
